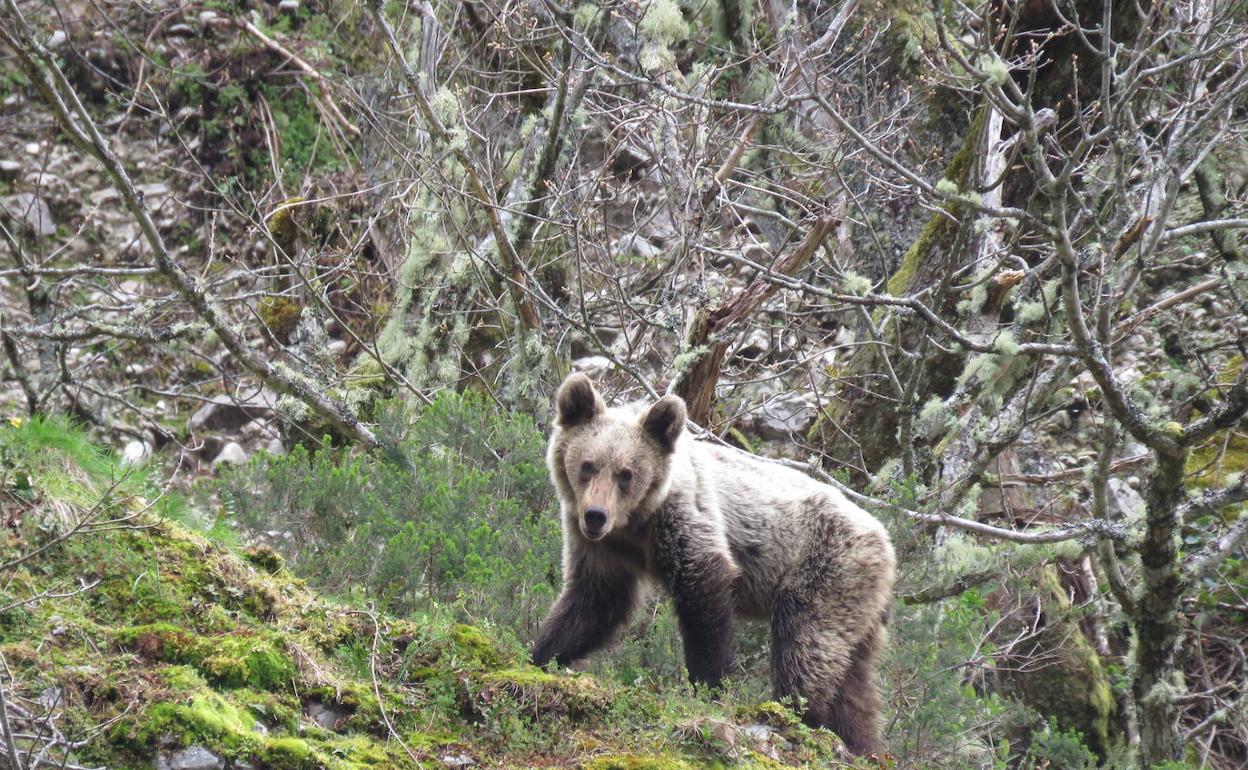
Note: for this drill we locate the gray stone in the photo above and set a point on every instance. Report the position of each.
(58, 39)
(50, 698)
(784, 416)
(637, 246)
(758, 733)
(180, 30)
(227, 413)
(337, 347)
(458, 760)
(32, 211)
(289, 6)
(325, 715)
(592, 365)
(10, 168)
(195, 758)
(1124, 501)
(275, 447)
(207, 17)
(755, 346)
(134, 453)
(230, 454)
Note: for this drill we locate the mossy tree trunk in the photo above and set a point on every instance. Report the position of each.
(859, 428)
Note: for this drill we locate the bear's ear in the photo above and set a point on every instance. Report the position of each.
(665, 420)
(577, 402)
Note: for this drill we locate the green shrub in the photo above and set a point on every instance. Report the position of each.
(461, 514)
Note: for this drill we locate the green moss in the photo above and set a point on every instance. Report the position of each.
(471, 644)
(281, 315)
(286, 754)
(538, 692)
(942, 227)
(769, 713)
(231, 661)
(282, 226)
(636, 762)
(1215, 462)
(1072, 687)
(208, 719)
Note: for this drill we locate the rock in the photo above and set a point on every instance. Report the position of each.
(151, 193)
(207, 17)
(1124, 501)
(33, 148)
(758, 733)
(10, 168)
(592, 365)
(458, 760)
(337, 347)
(275, 447)
(231, 454)
(32, 211)
(755, 346)
(227, 413)
(637, 246)
(106, 195)
(325, 715)
(785, 416)
(195, 758)
(289, 6)
(58, 39)
(50, 698)
(134, 453)
(180, 30)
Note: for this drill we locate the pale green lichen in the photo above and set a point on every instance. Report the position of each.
(1005, 343)
(855, 284)
(935, 415)
(1030, 312)
(995, 70)
(663, 23)
(445, 105)
(947, 187)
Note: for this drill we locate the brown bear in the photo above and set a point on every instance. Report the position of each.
(726, 534)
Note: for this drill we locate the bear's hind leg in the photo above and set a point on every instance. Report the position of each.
(827, 629)
(822, 661)
(853, 713)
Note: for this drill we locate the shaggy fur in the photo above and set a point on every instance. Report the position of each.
(725, 534)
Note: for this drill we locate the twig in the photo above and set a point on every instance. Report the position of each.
(307, 69)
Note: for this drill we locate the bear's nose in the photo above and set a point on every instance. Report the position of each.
(595, 519)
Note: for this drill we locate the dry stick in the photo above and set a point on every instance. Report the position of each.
(697, 384)
(14, 761)
(77, 123)
(1071, 474)
(1126, 326)
(308, 69)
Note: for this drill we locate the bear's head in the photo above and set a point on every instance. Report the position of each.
(611, 464)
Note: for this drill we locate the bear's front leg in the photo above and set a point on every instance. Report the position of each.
(597, 599)
(699, 574)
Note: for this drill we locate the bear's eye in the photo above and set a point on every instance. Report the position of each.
(588, 468)
(624, 476)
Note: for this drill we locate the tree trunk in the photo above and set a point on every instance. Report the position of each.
(1156, 618)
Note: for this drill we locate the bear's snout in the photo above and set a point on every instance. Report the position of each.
(595, 522)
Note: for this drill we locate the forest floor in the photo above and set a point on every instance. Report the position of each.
(132, 641)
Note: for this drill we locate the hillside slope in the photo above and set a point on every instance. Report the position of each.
(131, 641)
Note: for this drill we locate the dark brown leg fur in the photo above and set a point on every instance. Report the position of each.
(854, 712)
(593, 606)
(826, 632)
(700, 583)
